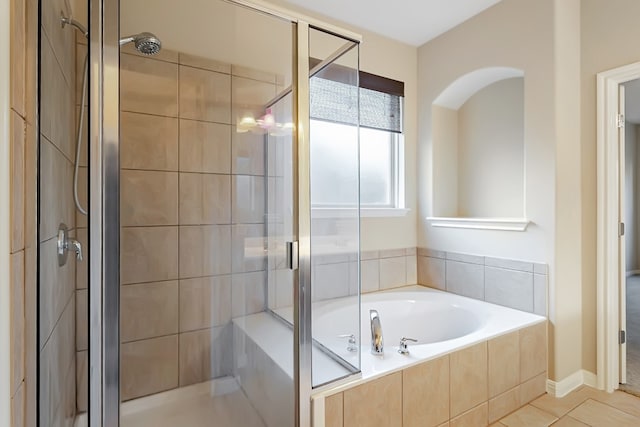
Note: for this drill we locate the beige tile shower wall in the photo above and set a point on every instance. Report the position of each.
(23, 240)
(82, 233)
(517, 284)
(475, 386)
(57, 350)
(192, 216)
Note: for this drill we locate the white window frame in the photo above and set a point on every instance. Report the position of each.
(397, 176)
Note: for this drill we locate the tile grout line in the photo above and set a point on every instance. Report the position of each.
(595, 399)
(179, 219)
(572, 407)
(488, 379)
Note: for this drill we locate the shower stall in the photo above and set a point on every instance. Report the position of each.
(186, 245)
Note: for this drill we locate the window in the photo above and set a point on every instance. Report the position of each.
(380, 167)
(334, 141)
(333, 153)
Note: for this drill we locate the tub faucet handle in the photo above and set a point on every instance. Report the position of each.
(351, 346)
(404, 348)
(377, 346)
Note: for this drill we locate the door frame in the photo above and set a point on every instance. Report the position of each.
(608, 224)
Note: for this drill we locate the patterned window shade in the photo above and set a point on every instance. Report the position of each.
(334, 98)
(379, 110)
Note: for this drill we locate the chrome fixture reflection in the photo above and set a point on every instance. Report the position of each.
(377, 346)
(404, 348)
(145, 43)
(351, 346)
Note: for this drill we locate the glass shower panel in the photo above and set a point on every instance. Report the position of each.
(205, 164)
(280, 227)
(335, 219)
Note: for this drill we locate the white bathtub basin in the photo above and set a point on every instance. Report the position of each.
(426, 320)
(441, 322)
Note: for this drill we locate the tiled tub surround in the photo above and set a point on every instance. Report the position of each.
(517, 284)
(472, 386)
(507, 335)
(335, 275)
(512, 283)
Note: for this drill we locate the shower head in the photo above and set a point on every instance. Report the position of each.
(145, 43)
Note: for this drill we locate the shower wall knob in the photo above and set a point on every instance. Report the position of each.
(66, 244)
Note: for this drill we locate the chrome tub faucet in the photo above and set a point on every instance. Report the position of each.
(377, 346)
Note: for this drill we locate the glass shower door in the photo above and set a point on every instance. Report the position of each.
(335, 214)
(198, 341)
(202, 191)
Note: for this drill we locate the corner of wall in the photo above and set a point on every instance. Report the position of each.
(570, 383)
(567, 292)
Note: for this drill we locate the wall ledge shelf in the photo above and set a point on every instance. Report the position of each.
(504, 224)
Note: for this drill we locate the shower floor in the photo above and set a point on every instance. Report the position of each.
(218, 403)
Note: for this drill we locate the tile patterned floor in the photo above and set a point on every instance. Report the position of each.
(583, 407)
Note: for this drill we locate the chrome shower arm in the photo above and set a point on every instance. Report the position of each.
(128, 39)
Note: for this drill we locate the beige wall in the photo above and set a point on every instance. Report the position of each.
(491, 152)
(445, 170)
(480, 154)
(538, 38)
(566, 298)
(501, 37)
(580, 39)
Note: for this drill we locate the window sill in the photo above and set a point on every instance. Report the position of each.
(364, 212)
(504, 224)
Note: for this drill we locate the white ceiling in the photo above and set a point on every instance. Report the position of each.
(414, 22)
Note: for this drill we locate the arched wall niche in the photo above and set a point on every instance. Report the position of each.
(478, 145)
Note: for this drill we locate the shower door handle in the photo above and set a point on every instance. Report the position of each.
(292, 255)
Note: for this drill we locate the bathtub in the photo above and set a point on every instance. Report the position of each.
(441, 322)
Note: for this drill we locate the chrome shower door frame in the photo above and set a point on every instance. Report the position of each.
(104, 207)
(104, 216)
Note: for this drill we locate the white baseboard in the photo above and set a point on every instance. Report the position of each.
(568, 384)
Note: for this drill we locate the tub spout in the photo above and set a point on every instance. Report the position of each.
(377, 346)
